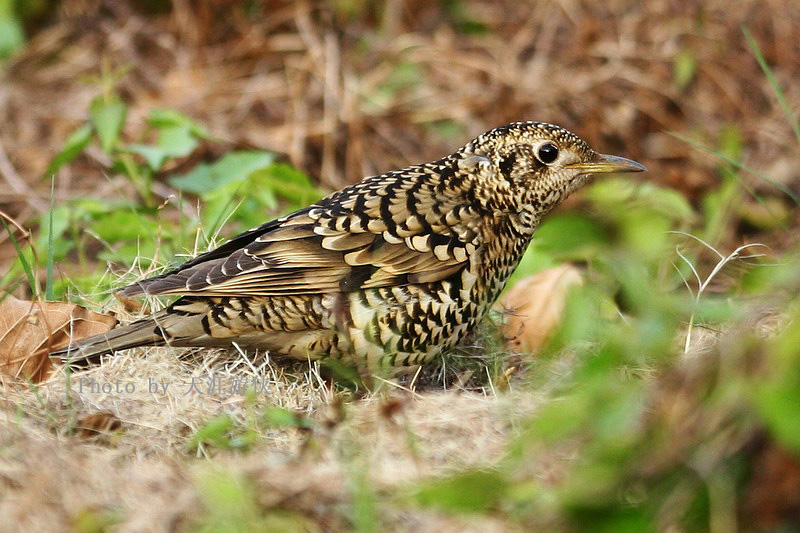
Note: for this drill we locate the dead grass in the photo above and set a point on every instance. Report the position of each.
(52, 475)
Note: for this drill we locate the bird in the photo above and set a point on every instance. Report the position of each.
(391, 271)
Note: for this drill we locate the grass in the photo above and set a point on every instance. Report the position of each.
(652, 406)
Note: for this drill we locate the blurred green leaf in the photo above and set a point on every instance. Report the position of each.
(570, 236)
(215, 433)
(471, 491)
(96, 520)
(12, 36)
(121, 224)
(108, 118)
(173, 141)
(617, 519)
(562, 237)
(231, 505)
(288, 183)
(615, 196)
(75, 144)
(154, 155)
(279, 417)
(684, 68)
(233, 167)
(169, 118)
(777, 395)
(177, 141)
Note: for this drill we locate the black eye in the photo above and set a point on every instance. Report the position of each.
(547, 153)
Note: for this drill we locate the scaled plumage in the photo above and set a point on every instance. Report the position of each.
(389, 271)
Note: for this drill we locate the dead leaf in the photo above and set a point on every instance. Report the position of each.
(96, 424)
(29, 331)
(535, 306)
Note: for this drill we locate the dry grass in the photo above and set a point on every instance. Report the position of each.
(55, 475)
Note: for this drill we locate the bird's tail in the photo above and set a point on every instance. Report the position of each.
(151, 331)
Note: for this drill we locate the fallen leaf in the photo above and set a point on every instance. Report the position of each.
(29, 331)
(96, 424)
(535, 306)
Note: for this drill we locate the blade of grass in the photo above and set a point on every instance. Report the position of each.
(738, 165)
(48, 287)
(26, 266)
(773, 81)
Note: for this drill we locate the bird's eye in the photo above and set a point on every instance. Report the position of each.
(547, 153)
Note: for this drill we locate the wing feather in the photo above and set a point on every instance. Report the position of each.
(363, 236)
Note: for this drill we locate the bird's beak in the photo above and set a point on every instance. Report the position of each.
(607, 163)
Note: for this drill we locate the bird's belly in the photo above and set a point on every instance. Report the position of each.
(394, 326)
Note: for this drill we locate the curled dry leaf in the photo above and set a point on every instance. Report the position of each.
(30, 330)
(535, 306)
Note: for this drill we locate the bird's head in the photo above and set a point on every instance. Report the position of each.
(535, 165)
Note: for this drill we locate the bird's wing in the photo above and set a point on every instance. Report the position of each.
(391, 229)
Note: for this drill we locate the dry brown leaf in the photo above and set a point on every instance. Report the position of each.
(30, 330)
(536, 305)
(95, 424)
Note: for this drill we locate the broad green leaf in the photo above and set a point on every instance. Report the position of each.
(122, 225)
(777, 395)
(108, 118)
(279, 417)
(469, 491)
(173, 141)
(74, 145)
(288, 183)
(230, 168)
(177, 141)
(614, 197)
(154, 155)
(11, 35)
(570, 236)
(167, 118)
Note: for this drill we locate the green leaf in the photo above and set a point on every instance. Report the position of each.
(684, 68)
(168, 118)
(154, 155)
(778, 394)
(177, 141)
(215, 433)
(11, 35)
(232, 167)
(469, 491)
(173, 141)
(288, 183)
(122, 225)
(614, 197)
(108, 117)
(570, 236)
(75, 144)
(279, 417)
